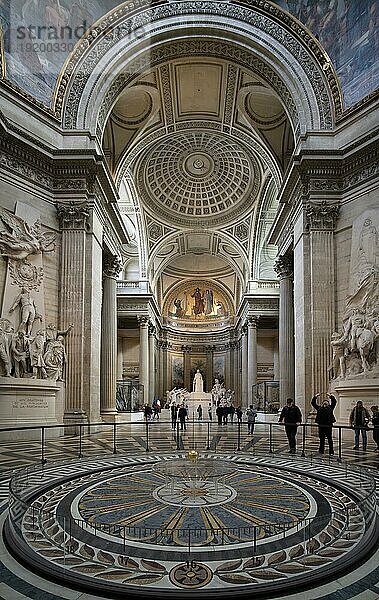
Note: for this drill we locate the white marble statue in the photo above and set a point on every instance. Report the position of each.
(198, 383)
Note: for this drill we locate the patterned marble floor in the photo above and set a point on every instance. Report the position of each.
(17, 583)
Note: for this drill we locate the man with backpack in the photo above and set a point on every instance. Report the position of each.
(251, 415)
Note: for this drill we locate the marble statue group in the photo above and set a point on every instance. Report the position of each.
(356, 347)
(27, 347)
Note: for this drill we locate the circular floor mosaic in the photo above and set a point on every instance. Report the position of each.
(256, 524)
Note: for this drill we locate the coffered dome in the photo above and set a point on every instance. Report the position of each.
(198, 175)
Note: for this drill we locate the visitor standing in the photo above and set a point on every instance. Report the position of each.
(251, 415)
(219, 413)
(182, 414)
(174, 414)
(199, 411)
(210, 411)
(325, 419)
(239, 414)
(359, 418)
(291, 417)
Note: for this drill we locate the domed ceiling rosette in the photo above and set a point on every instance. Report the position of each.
(198, 176)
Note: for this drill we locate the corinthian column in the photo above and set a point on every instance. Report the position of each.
(284, 269)
(321, 218)
(244, 392)
(144, 356)
(252, 323)
(151, 361)
(74, 222)
(112, 267)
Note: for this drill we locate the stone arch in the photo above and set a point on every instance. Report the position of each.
(242, 270)
(271, 42)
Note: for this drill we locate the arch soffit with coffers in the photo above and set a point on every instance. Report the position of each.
(173, 240)
(85, 81)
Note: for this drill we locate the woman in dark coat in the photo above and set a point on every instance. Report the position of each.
(325, 419)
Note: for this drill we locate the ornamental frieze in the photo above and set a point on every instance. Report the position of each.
(279, 25)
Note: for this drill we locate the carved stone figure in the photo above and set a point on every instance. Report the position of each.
(28, 311)
(358, 349)
(36, 352)
(216, 391)
(339, 345)
(55, 359)
(19, 352)
(198, 383)
(18, 240)
(5, 352)
(52, 334)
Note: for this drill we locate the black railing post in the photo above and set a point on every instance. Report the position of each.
(239, 436)
(208, 435)
(339, 444)
(177, 436)
(303, 450)
(114, 439)
(270, 437)
(80, 441)
(43, 459)
(147, 435)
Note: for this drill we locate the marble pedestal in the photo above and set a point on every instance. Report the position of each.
(349, 391)
(197, 398)
(30, 402)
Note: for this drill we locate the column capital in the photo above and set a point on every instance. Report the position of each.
(112, 266)
(143, 320)
(321, 216)
(284, 266)
(73, 216)
(252, 321)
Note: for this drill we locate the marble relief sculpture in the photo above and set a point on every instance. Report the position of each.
(28, 311)
(356, 349)
(18, 240)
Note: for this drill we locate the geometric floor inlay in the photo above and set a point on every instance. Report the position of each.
(250, 523)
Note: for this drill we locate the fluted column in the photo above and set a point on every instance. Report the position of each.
(244, 369)
(120, 358)
(112, 267)
(275, 351)
(321, 218)
(74, 222)
(228, 378)
(284, 269)
(209, 368)
(144, 356)
(187, 366)
(252, 323)
(151, 362)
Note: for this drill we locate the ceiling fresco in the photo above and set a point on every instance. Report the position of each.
(39, 36)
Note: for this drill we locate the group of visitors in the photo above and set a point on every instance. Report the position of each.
(359, 419)
(290, 417)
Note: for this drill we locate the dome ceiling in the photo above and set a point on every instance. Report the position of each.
(198, 140)
(197, 174)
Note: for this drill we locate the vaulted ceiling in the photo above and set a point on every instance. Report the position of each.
(201, 146)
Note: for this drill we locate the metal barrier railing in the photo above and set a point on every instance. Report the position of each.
(201, 435)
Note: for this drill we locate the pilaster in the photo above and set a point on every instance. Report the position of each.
(74, 222)
(284, 269)
(143, 322)
(112, 267)
(252, 323)
(321, 218)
